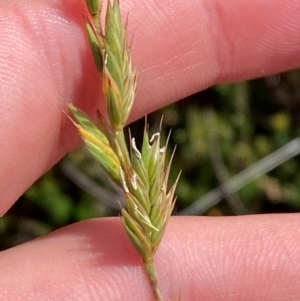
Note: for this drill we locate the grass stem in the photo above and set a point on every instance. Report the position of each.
(152, 276)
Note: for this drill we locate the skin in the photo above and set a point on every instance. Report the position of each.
(180, 48)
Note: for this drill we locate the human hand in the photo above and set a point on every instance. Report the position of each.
(180, 48)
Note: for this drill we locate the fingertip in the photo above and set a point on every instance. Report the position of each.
(45, 62)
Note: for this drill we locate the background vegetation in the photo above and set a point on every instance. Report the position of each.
(222, 134)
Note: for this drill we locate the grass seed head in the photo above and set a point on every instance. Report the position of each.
(143, 175)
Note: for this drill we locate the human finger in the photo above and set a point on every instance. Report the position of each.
(200, 258)
(180, 47)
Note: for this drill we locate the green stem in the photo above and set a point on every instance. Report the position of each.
(122, 150)
(152, 276)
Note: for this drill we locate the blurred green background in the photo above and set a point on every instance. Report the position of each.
(237, 147)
